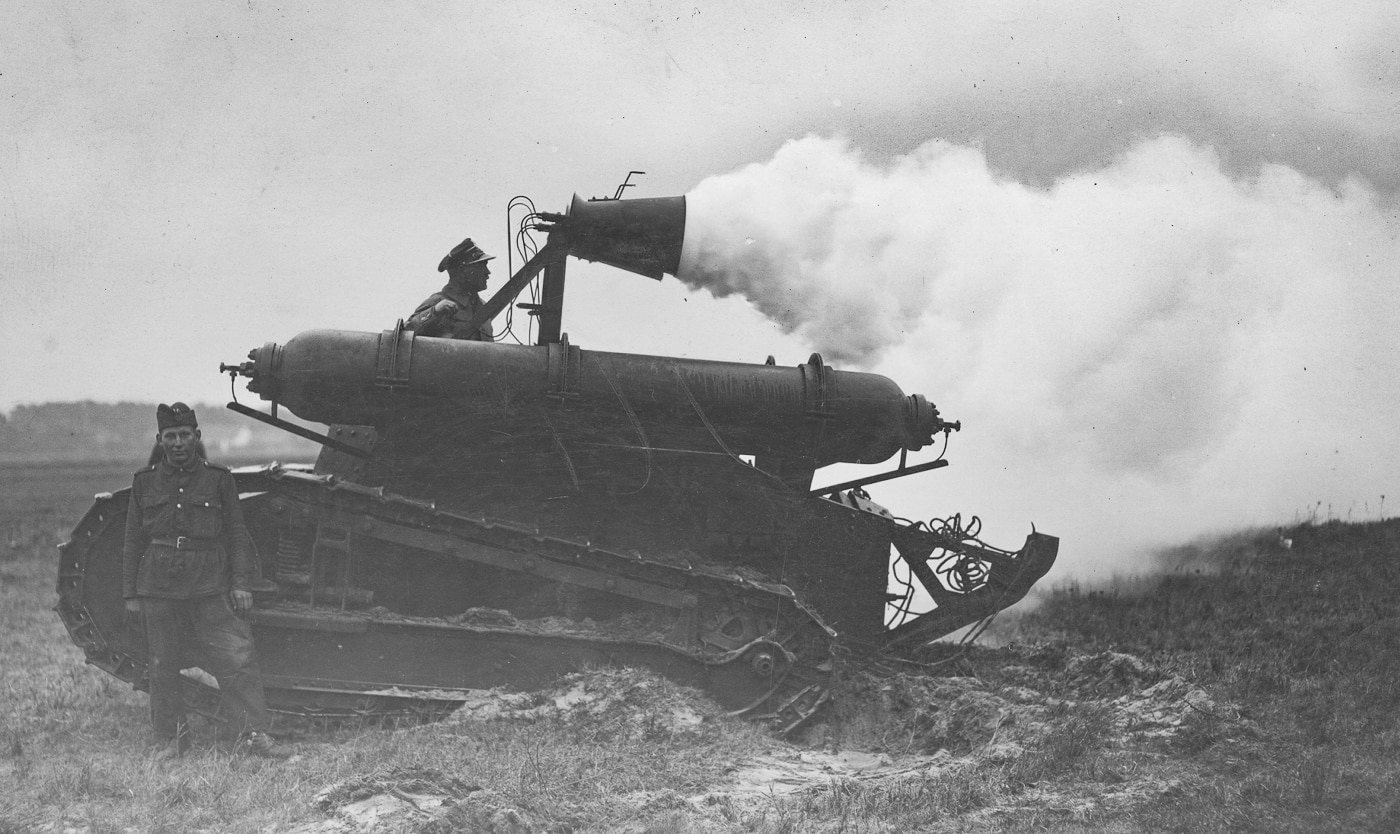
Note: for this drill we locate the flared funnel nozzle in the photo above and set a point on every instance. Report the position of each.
(642, 236)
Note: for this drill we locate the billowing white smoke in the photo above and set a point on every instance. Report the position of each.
(1140, 354)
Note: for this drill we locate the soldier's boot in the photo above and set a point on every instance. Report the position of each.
(264, 746)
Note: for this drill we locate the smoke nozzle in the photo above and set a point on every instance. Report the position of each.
(642, 236)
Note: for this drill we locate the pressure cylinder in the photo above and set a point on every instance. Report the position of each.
(809, 412)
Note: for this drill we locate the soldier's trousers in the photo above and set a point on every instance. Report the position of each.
(224, 648)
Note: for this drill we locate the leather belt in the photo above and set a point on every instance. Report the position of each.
(188, 543)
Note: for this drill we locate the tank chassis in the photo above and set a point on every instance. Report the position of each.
(486, 515)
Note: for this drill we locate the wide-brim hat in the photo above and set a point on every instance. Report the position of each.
(465, 253)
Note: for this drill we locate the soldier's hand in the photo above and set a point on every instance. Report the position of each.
(133, 612)
(242, 601)
(445, 307)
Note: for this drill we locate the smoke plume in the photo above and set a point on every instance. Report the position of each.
(1141, 353)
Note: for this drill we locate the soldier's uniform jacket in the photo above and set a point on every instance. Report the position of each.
(449, 327)
(185, 535)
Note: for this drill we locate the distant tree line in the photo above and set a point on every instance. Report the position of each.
(93, 431)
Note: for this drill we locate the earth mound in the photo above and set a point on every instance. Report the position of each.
(1028, 714)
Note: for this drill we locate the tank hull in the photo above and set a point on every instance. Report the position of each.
(393, 607)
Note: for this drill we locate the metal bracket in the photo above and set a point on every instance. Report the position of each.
(564, 365)
(818, 386)
(395, 358)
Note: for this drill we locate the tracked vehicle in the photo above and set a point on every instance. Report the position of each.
(487, 514)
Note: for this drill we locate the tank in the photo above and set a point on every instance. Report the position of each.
(491, 515)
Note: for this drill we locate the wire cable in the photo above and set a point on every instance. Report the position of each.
(520, 242)
(636, 426)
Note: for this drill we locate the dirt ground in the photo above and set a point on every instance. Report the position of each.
(887, 728)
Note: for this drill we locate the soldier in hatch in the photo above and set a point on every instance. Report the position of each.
(447, 312)
(187, 566)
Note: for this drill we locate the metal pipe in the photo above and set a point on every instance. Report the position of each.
(884, 476)
(297, 430)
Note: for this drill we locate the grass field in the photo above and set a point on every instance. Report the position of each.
(1256, 690)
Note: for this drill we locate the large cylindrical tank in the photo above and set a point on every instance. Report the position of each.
(809, 412)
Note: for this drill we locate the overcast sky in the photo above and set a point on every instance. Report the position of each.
(1148, 252)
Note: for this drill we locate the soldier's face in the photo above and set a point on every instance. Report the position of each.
(472, 277)
(178, 444)
(479, 276)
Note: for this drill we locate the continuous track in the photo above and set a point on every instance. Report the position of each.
(750, 644)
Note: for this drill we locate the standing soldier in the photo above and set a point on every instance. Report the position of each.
(448, 311)
(185, 541)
